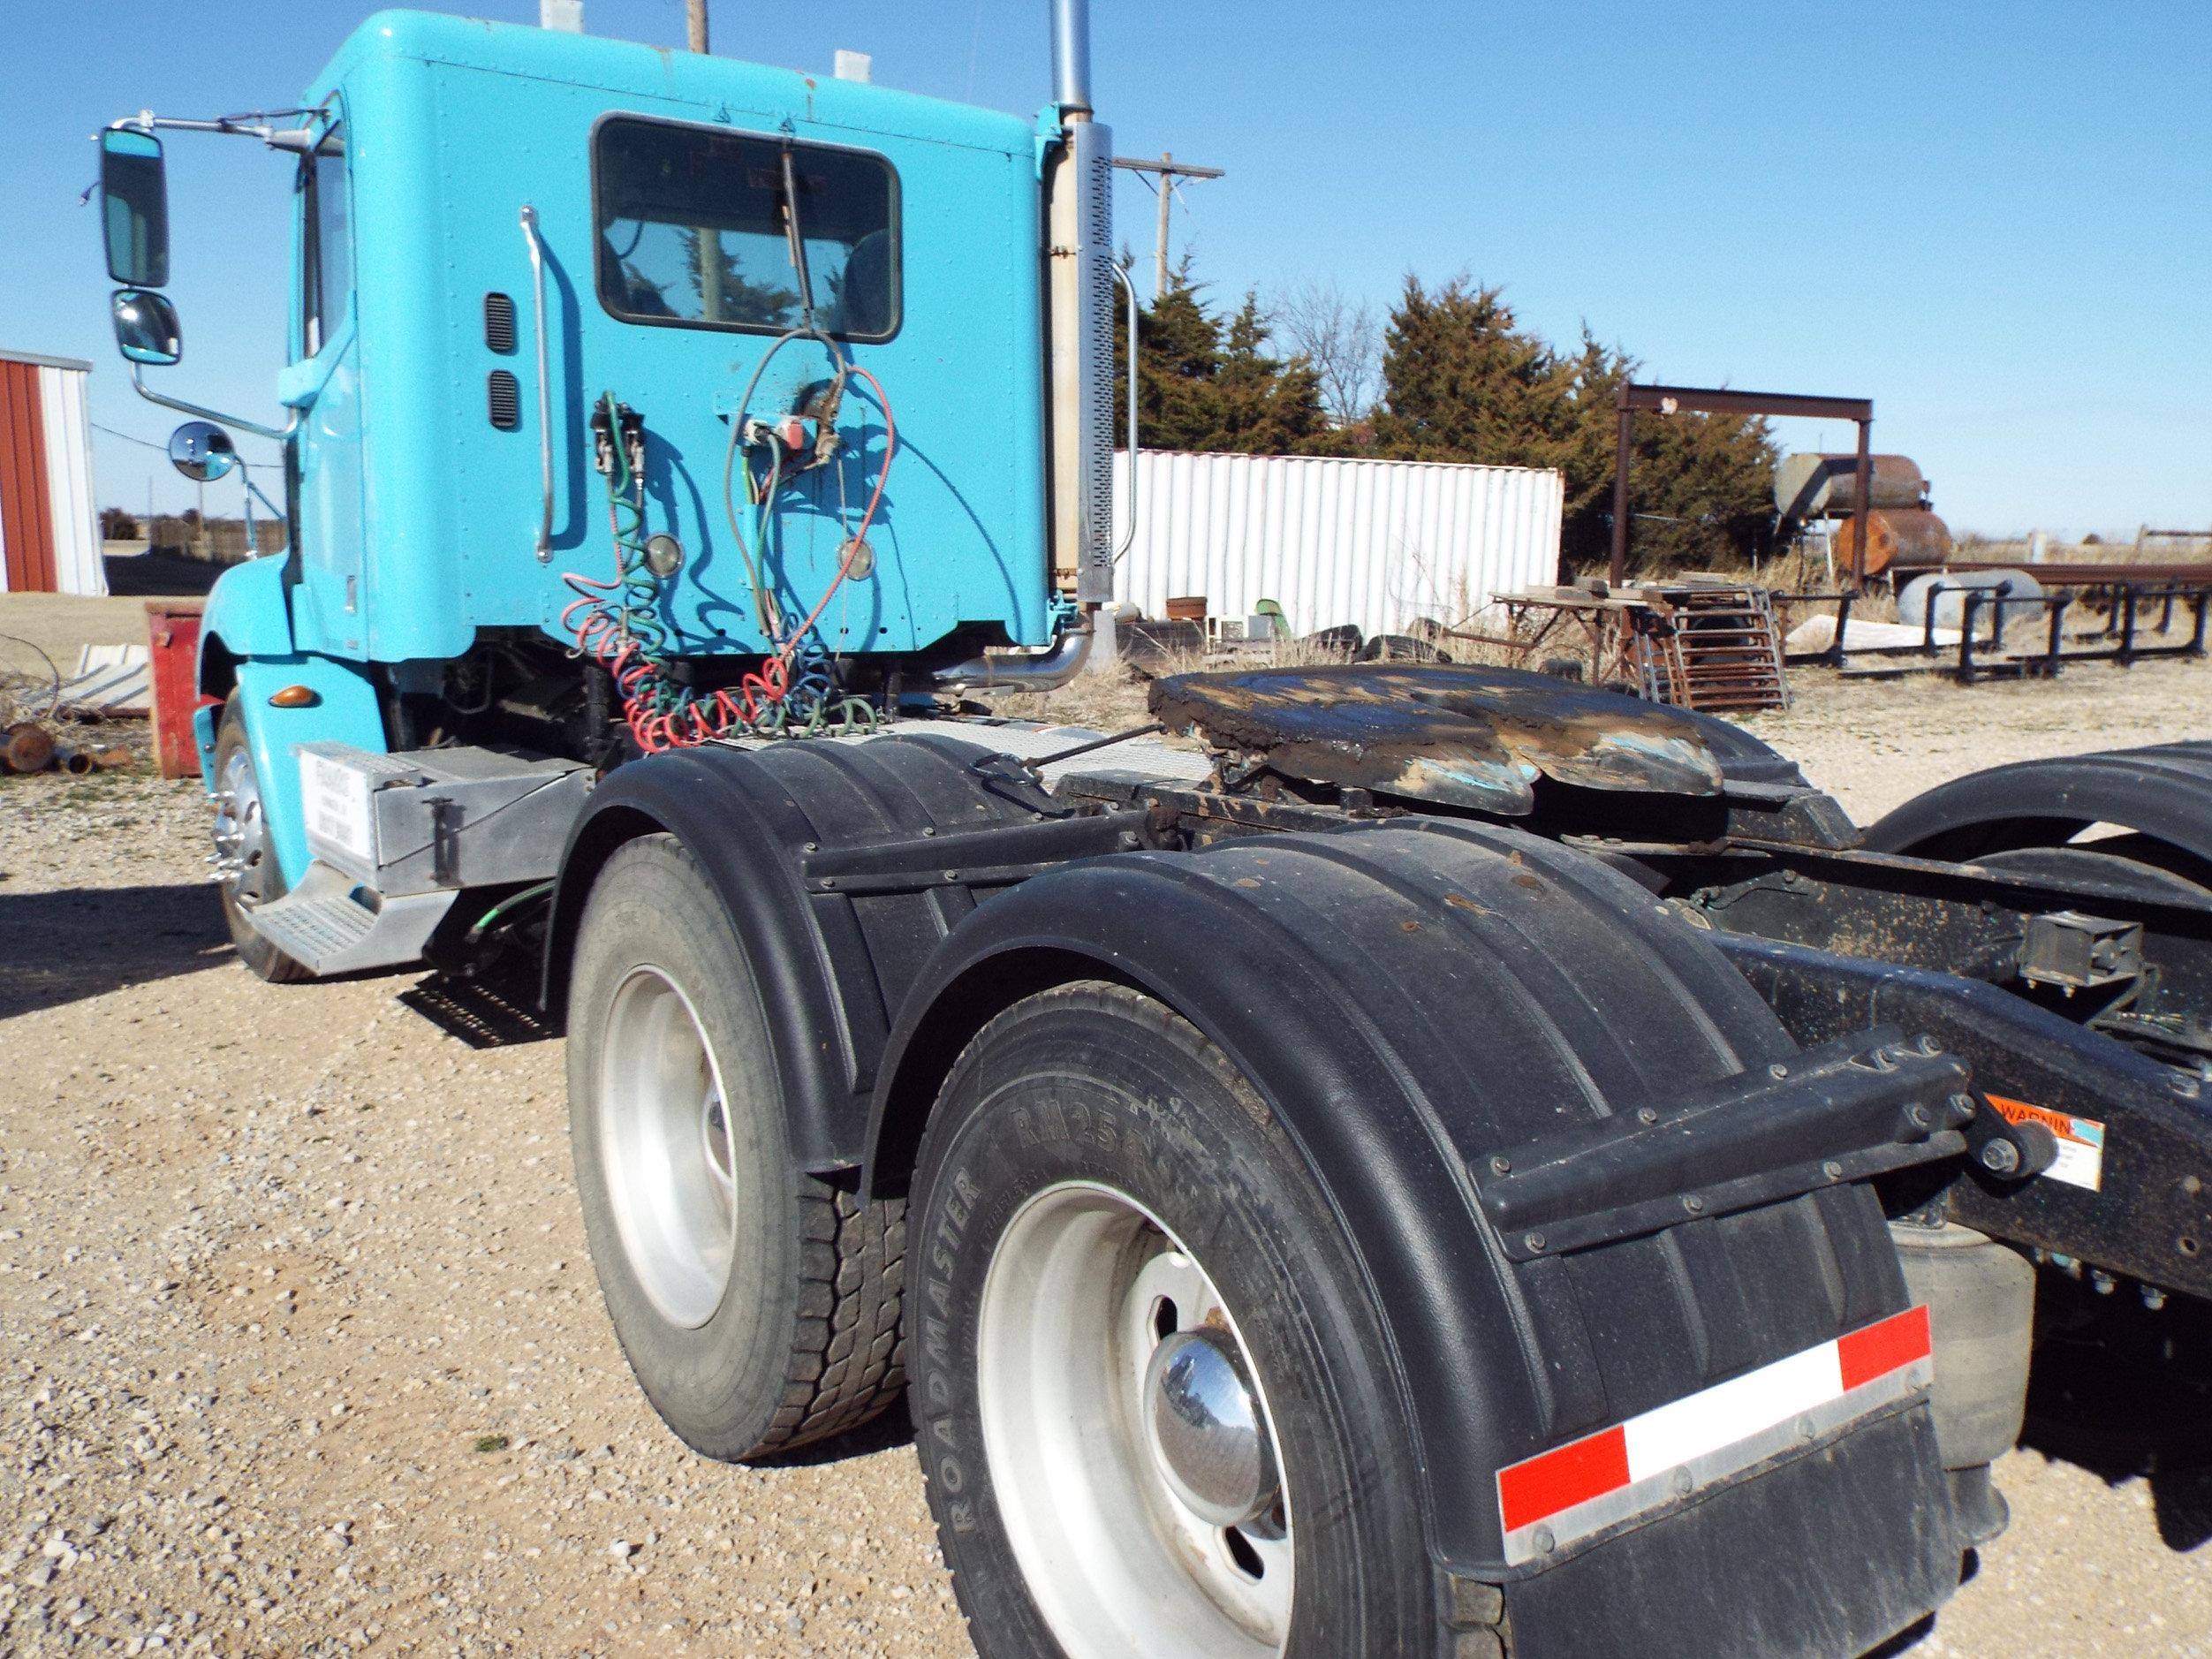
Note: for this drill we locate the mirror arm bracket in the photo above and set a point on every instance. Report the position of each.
(269, 506)
(280, 433)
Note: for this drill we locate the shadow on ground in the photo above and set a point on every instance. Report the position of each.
(2124, 1392)
(60, 948)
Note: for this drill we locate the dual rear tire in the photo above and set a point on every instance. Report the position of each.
(757, 1305)
(1153, 1404)
(1096, 1185)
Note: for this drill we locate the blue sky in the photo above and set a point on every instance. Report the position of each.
(1995, 220)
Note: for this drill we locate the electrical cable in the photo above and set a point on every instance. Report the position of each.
(617, 623)
(794, 690)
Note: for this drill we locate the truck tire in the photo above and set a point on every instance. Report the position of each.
(1115, 1226)
(758, 1305)
(240, 830)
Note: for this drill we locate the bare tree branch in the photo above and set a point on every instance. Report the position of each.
(1343, 339)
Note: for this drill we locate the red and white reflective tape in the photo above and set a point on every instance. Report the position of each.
(1604, 1479)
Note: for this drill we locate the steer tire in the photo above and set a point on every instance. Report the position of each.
(264, 883)
(797, 1337)
(1095, 1090)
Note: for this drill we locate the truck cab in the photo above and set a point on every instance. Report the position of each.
(633, 398)
(1468, 1165)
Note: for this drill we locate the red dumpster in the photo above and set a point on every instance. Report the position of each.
(172, 638)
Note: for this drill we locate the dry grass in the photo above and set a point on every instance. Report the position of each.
(1113, 698)
(2150, 550)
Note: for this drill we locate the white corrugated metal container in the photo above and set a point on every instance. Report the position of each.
(1374, 543)
(50, 529)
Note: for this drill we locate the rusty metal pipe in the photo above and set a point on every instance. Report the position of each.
(1620, 493)
(30, 748)
(77, 762)
(1861, 492)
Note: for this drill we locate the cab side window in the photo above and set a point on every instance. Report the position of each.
(327, 243)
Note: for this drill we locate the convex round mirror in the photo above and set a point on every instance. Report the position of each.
(146, 327)
(201, 451)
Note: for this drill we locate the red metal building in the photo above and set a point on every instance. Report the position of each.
(49, 531)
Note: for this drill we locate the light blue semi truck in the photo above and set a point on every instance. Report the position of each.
(1443, 1171)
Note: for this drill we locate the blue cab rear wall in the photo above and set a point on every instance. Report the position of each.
(452, 126)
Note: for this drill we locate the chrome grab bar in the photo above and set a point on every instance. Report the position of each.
(1129, 507)
(545, 388)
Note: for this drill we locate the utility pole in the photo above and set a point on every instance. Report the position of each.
(710, 252)
(1169, 169)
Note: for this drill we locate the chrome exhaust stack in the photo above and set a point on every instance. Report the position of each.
(1079, 343)
(1079, 261)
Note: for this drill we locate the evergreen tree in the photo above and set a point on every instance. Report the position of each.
(1206, 385)
(1464, 382)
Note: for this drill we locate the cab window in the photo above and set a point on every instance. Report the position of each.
(694, 232)
(326, 266)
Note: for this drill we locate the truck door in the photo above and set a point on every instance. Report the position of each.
(324, 382)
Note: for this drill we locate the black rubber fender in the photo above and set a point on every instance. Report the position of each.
(831, 969)
(1410, 999)
(2163, 793)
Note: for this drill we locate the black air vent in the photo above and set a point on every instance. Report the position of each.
(499, 323)
(505, 397)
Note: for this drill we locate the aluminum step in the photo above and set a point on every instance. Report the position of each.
(332, 924)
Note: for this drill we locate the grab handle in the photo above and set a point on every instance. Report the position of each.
(545, 388)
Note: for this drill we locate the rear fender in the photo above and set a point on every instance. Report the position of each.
(2163, 793)
(1408, 1001)
(832, 955)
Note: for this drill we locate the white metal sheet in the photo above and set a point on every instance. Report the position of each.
(1374, 544)
(76, 520)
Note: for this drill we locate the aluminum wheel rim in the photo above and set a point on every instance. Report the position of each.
(243, 857)
(1084, 1284)
(664, 1140)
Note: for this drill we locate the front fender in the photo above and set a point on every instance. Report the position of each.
(249, 612)
(346, 710)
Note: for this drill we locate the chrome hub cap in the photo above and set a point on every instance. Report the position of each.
(244, 857)
(1214, 1450)
(664, 1137)
(1130, 1446)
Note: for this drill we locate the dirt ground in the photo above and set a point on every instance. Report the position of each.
(301, 1353)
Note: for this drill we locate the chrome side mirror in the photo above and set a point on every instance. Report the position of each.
(202, 452)
(134, 208)
(146, 327)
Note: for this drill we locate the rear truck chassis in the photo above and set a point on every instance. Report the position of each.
(1679, 1102)
(1683, 1150)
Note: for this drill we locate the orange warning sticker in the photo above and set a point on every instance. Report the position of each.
(2080, 1161)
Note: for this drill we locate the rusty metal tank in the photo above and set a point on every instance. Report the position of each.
(1907, 539)
(1815, 486)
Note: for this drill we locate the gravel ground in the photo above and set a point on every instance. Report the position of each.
(301, 1353)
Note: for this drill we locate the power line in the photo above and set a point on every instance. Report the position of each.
(147, 443)
(1168, 170)
(142, 443)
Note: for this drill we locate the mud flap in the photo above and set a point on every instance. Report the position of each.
(1832, 1551)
